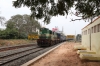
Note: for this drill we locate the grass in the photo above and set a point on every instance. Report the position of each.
(10, 42)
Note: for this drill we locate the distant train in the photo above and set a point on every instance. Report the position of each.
(70, 37)
(48, 37)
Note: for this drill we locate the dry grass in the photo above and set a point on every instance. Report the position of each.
(12, 42)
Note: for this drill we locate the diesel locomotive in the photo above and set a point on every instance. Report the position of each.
(48, 37)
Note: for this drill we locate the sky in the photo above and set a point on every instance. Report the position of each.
(69, 28)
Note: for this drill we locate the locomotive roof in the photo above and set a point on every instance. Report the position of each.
(46, 29)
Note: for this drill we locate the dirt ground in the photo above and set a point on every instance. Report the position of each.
(12, 42)
(64, 55)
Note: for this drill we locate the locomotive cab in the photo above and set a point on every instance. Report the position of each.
(46, 37)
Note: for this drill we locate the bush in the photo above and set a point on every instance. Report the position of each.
(8, 34)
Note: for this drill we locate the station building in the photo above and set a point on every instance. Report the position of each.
(91, 36)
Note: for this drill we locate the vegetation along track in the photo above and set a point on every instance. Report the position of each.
(14, 47)
(10, 55)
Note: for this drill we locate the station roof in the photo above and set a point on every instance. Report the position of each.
(91, 22)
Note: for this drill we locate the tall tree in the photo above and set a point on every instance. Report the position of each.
(23, 23)
(48, 8)
(1, 19)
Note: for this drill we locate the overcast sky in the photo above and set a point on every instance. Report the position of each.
(7, 10)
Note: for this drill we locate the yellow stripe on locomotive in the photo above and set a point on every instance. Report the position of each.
(33, 36)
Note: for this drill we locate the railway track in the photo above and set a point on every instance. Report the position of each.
(11, 55)
(14, 47)
(17, 57)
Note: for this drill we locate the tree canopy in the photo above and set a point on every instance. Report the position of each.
(19, 26)
(1, 19)
(48, 8)
(23, 23)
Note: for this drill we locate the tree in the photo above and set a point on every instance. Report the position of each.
(18, 27)
(23, 23)
(78, 37)
(47, 8)
(88, 8)
(1, 19)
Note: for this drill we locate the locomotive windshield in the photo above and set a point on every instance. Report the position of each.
(44, 31)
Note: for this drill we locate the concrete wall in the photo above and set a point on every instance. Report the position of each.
(95, 42)
(93, 37)
(86, 39)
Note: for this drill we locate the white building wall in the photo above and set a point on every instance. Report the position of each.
(86, 40)
(95, 37)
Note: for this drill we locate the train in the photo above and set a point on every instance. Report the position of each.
(70, 37)
(48, 37)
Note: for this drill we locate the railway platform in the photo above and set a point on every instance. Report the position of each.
(64, 55)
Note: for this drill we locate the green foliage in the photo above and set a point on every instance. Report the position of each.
(45, 8)
(1, 19)
(10, 25)
(23, 23)
(48, 8)
(88, 8)
(18, 27)
(78, 37)
(8, 34)
(22, 36)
